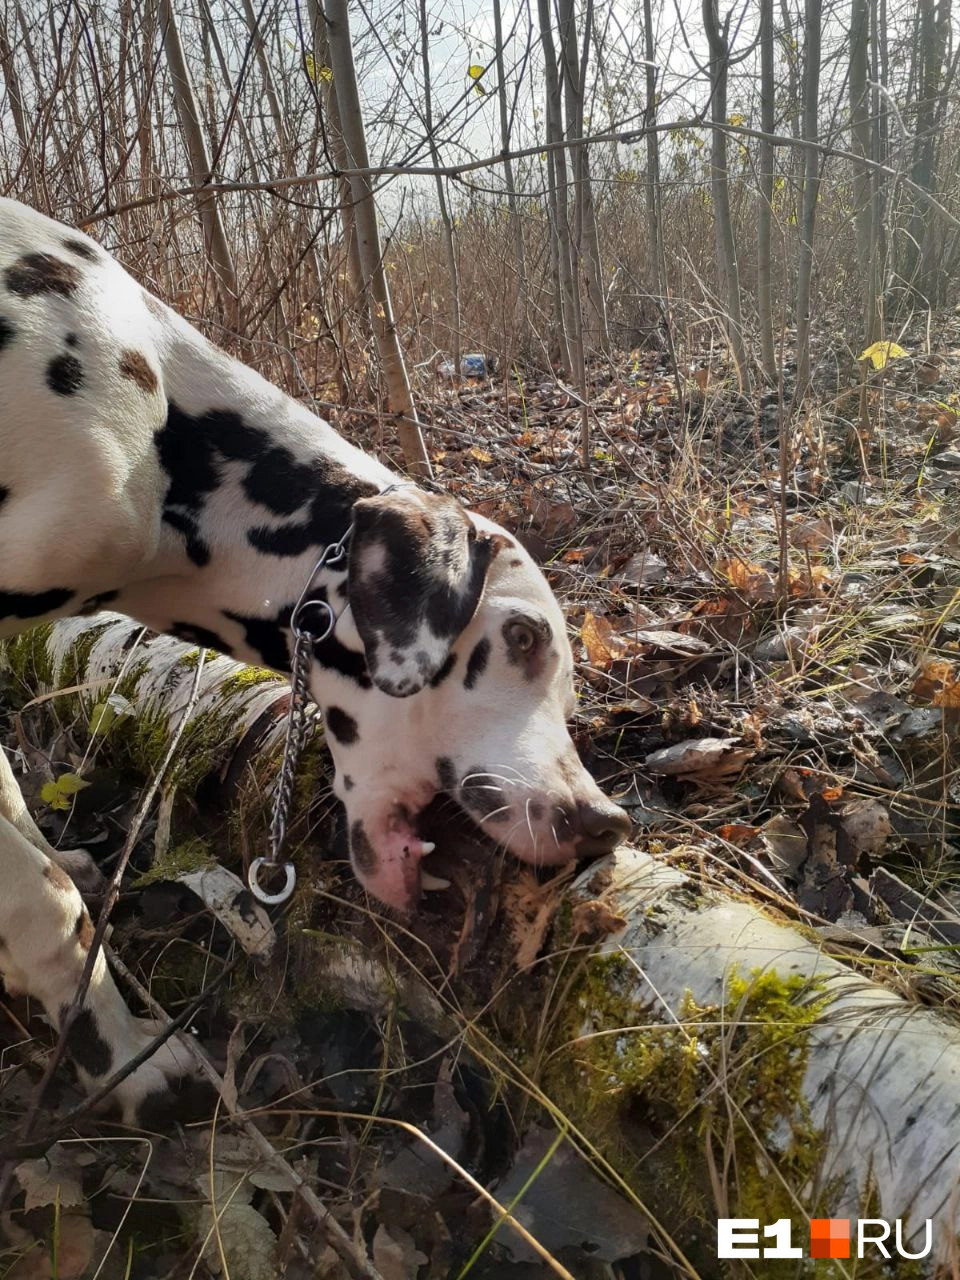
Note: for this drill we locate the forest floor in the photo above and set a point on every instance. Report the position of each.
(766, 626)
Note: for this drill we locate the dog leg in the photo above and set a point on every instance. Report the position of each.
(76, 862)
(45, 937)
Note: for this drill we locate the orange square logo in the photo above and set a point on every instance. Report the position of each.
(829, 1237)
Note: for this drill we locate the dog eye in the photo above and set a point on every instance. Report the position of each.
(522, 637)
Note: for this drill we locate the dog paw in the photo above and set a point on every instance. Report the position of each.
(167, 1087)
(81, 869)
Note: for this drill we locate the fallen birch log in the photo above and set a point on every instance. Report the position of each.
(125, 690)
(715, 1056)
(809, 1090)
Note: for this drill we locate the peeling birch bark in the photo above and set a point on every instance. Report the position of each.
(881, 1078)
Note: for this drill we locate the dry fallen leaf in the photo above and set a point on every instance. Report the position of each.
(937, 685)
(601, 642)
(701, 758)
(786, 844)
(752, 581)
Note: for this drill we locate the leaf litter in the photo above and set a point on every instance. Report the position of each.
(769, 678)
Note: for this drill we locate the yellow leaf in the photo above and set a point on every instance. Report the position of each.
(878, 353)
(736, 119)
(475, 71)
(57, 794)
(313, 71)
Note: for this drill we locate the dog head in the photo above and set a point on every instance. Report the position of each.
(467, 690)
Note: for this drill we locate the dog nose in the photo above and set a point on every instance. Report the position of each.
(603, 823)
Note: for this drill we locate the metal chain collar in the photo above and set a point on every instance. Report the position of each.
(304, 640)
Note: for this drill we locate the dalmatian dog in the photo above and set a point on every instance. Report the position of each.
(143, 469)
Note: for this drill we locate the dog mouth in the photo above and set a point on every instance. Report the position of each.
(444, 845)
(453, 841)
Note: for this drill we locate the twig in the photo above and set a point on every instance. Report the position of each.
(336, 1237)
(112, 893)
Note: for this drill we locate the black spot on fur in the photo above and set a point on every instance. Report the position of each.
(95, 603)
(535, 810)
(343, 727)
(81, 249)
(482, 795)
(347, 782)
(266, 637)
(477, 663)
(193, 451)
(86, 1046)
(334, 656)
(4, 494)
(444, 671)
(362, 852)
(71, 340)
(7, 332)
(38, 273)
(446, 774)
(201, 636)
(280, 483)
(33, 604)
(65, 375)
(391, 603)
(196, 549)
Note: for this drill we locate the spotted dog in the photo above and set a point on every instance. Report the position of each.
(142, 468)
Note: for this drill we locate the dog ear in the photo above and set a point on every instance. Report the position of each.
(416, 570)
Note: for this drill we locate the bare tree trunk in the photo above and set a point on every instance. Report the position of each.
(571, 354)
(214, 232)
(516, 228)
(333, 130)
(920, 268)
(768, 353)
(720, 188)
(446, 222)
(586, 244)
(811, 190)
(879, 185)
(862, 144)
(377, 288)
(654, 211)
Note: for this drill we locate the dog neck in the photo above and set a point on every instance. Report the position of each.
(254, 490)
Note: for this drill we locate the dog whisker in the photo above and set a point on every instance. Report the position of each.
(487, 773)
(504, 808)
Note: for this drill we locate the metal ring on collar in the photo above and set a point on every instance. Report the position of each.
(262, 895)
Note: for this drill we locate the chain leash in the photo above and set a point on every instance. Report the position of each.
(305, 638)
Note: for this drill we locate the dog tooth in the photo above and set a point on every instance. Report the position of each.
(427, 846)
(429, 882)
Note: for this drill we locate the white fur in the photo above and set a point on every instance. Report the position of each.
(84, 513)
